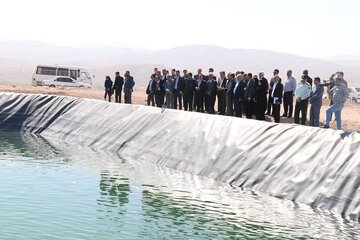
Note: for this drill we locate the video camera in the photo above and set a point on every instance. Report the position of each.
(327, 83)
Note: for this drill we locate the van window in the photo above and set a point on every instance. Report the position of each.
(73, 74)
(63, 72)
(85, 75)
(46, 71)
(357, 89)
(64, 79)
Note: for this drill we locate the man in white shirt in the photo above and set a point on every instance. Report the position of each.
(302, 94)
(289, 89)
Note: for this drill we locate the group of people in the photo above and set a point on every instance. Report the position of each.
(242, 93)
(125, 83)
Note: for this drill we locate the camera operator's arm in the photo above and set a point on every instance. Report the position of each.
(333, 75)
(330, 89)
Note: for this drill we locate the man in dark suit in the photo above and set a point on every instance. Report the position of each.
(178, 89)
(261, 98)
(150, 91)
(200, 93)
(249, 95)
(128, 87)
(221, 93)
(276, 98)
(189, 88)
(211, 89)
(238, 89)
(159, 91)
(118, 85)
(230, 95)
(275, 73)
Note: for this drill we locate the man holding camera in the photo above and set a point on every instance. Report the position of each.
(339, 95)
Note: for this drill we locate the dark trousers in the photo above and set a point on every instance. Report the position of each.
(211, 104)
(301, 107)
(118, 95)
(199, 102)
(188, 102)
(288, 104)
(229, 105)
(159, 99)
(276, 112)
(261, 108)
(177, 97)
(221, 102)
(127, 96)
(250, 108)
(244, 105)
(150, 98)
(108, 94)
(206, 102)
(315, 114)
(269, 105)
(238, 107)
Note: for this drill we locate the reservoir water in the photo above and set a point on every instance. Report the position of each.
(55, 190)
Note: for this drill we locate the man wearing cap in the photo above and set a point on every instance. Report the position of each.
(307, 78)
(302, 94)
(289, 89)
(340, 93)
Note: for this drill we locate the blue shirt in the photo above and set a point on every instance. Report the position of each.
(290, 84)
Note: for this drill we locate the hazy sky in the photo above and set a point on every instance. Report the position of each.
(316, 28)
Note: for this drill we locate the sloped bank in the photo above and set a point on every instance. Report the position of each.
(314, 166)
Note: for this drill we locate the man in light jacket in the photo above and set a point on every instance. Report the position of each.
(302, 94)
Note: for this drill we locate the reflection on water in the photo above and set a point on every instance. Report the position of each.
(52, 190)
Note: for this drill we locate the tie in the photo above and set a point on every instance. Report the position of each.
(237, 84)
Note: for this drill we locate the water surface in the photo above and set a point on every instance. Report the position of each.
(55, 190)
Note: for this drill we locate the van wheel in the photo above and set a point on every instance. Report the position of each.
(52, 86)
(81, 86)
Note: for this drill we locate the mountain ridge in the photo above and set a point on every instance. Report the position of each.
(25, 55)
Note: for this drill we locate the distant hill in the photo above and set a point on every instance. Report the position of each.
(17, 60)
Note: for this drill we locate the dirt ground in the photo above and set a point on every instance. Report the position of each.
(350, 113)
